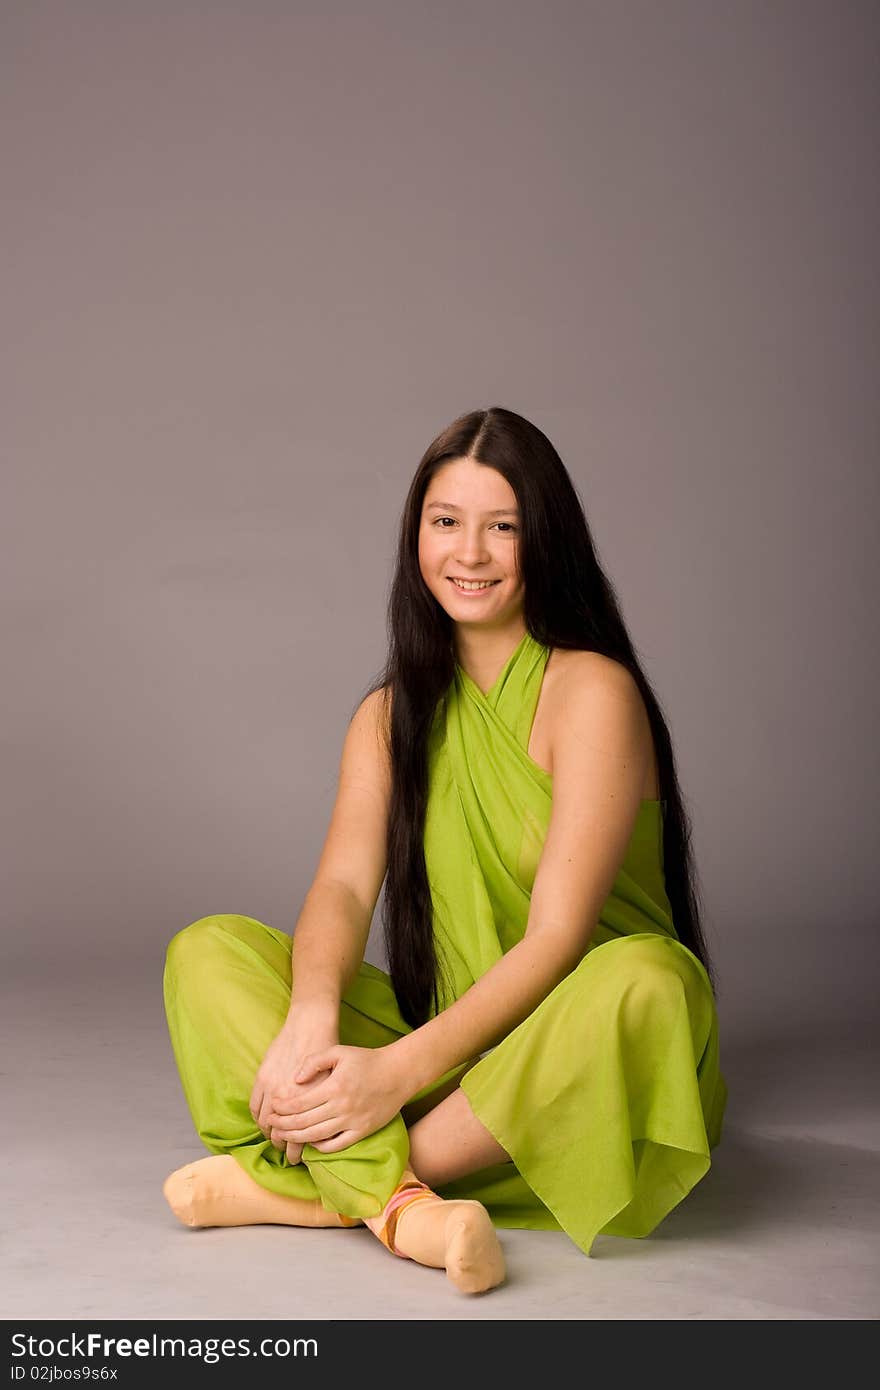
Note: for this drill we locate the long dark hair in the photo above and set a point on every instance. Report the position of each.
(570, 603)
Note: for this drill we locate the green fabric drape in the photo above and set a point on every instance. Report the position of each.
(608, 1097)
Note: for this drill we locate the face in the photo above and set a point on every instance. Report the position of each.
(469, 530)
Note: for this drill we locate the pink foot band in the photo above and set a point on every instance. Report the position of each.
(410, 1189)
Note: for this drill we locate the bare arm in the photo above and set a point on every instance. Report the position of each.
(332, 929)
(328, 946)
(600, 757)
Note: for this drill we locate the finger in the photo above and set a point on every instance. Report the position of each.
(256, 1100)
(293, 1125)
(292, 1099)
(292, 1128)
(300, 1119)
(325, 1130)
(342, 1141)
(317, 1061)
(289, 1089)
(294, 1153)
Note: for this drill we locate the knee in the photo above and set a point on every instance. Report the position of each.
(649, 958)
(645, 969)
(661, 989)
(637, 988)
(192, 944)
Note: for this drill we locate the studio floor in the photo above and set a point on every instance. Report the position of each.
(785, 1224)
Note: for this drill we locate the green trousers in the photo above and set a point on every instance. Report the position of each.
(608, 1097)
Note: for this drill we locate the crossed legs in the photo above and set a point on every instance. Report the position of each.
(226, 979)
(457, 1235)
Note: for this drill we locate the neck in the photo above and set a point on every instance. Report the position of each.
(482, 652)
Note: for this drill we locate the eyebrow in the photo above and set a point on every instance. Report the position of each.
(451, 507)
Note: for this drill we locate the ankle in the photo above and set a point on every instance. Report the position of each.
(409, 1190)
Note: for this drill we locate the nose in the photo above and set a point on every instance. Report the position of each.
(471, 548)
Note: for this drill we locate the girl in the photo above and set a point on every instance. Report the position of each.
(543, 1050)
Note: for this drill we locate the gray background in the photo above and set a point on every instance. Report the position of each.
(256, 256)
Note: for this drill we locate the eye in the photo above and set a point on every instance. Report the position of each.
(437, 520)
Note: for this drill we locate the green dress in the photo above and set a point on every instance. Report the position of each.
(608, 1097)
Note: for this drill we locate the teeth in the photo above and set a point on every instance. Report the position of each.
(472, 584)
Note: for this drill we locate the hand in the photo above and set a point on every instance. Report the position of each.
(274, 1080)
(351, 1092)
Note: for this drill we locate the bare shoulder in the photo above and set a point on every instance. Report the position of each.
(374, 711)
(366, 755)
(595, 696)
(592, 674)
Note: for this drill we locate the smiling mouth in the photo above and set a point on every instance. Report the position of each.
(473, 586)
